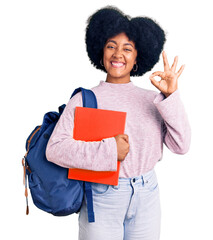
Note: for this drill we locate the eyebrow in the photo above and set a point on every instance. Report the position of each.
(116, 43)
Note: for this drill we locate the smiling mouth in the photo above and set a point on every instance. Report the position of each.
(117, 64)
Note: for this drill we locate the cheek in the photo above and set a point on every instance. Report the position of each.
(106, 56)
(134, 57)
(131, 60)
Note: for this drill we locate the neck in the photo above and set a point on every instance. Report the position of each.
(111, 79)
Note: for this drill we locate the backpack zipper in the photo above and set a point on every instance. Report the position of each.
(26, 168)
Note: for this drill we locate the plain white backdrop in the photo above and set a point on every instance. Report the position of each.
(43, 59)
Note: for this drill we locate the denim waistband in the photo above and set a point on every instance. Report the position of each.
(142, 178)
(145, 175)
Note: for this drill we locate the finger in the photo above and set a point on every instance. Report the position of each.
(125, 137)
(165, 61)
(155, 82)
(180, 70)
(158, 73)
(174, 65)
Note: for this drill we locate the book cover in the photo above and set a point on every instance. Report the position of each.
(91, 124)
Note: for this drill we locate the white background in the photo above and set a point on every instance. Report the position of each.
(43, 59)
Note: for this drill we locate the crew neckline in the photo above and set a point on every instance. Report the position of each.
(128, 85)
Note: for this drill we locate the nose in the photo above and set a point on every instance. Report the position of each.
(117, 53)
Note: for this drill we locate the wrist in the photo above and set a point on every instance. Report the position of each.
(167, 94)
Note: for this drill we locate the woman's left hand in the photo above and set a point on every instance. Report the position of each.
(169, 78)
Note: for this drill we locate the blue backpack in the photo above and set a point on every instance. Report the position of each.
(50, 188)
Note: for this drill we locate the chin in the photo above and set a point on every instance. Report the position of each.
(117, 74)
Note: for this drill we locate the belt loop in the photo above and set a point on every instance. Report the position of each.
(142, 177)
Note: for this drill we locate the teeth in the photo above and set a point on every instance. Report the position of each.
(117, 64)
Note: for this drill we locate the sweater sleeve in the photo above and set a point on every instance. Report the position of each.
(67, 152)
(176, 128)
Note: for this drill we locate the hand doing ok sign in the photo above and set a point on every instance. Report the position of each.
(168, 83)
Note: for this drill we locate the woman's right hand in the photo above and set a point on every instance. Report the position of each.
(122, 141)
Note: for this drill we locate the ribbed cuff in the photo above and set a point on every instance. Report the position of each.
(168, 107)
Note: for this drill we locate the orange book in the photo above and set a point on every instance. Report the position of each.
(91, 124)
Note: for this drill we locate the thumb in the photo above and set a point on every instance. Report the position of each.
(125, 137)
(155, 82)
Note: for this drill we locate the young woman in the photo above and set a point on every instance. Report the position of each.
(124, 47)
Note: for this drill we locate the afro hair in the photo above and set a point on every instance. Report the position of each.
(108, 22)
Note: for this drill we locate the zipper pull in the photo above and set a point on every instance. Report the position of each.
(24, 169)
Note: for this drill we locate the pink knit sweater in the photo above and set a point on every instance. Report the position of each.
(151, 121)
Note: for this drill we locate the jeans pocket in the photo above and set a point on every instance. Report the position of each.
(100, 189)
(151, 182)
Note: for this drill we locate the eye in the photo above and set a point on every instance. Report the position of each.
(128, 50)
(110, 46)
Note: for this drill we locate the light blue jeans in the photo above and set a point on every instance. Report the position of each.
(128, 211)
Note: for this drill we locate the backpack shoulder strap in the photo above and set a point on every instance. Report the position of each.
(89, 98)
(90, 211)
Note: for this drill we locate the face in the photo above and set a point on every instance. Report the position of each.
(119, 58)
